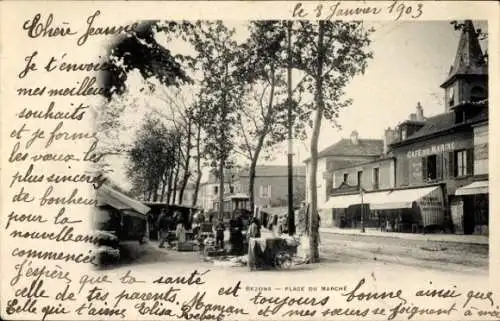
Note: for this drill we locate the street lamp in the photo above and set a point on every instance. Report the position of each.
(361, 192)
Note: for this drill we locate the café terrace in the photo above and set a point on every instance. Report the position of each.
(431, 173)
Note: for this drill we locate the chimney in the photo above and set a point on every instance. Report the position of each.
(420, 112)
(413, 117)
(390, 136)
(354, 137)
(387, 139)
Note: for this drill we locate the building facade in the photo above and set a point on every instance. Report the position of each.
(271, 185)
(436, 168)
(343, 154)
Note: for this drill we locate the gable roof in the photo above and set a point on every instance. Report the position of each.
(345, 147)
(469, 59)
(446, 121)
(274, 171)
(435, 124)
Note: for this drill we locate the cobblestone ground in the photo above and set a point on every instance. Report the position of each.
(426, 254)
(342, 249)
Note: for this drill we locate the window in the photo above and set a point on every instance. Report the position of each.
(461, 163)
(376, 176)
(404, 133)
(231, 189)
(360, 177)
(346, 177)
(477, 93)
(265, 191)
(431, 167)
(216, 189)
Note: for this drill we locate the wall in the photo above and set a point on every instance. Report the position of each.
(386, 175)
(481, 150)
(279, 189)
(207, 196)
(325, 178)
(409, 171)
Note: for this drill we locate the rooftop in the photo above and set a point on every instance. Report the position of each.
(346, 147)
(274, 171)
(469, 59)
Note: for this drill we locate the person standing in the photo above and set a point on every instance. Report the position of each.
(180, 233)
(219, 235)
(162, 224)
(253, 230)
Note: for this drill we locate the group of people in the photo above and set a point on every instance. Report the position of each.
(167, 223)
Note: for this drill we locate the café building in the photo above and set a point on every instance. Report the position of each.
(440, 177)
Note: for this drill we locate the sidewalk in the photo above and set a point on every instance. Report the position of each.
(456, 238)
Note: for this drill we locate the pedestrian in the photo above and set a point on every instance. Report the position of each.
(162, 224)
(219, 235)
(253, 230)
(180, 233)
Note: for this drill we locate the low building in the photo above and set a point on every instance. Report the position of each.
(343, 154)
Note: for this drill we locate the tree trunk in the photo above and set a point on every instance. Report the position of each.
(187, 174)
(176, 176)
(174, 185)
(255, 157)
(170, 180)
(155, 190)
(163, 187)
(221, 188)
(251, 174)
(313, 214)
(198, 166)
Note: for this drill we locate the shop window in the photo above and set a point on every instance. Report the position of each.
(376, 178)
(360, 177)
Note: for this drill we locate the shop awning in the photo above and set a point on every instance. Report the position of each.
(120, 201)
(399, 198)
(342, 201)
(480, 187)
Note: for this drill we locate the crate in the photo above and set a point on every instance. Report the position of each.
(185, 247)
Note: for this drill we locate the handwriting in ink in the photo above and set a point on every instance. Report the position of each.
(36, 28)
(366, 296)
(25, 269)
(194, 278)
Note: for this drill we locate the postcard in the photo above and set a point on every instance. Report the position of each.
(249, 160)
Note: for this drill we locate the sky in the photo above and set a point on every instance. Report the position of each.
(410, 61)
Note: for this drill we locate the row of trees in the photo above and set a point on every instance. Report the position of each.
(238, 96)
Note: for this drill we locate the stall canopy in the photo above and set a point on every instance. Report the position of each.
(109, 196)
(480, 187)
(399, 198)
(342, 201)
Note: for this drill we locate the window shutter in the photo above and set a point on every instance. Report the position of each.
(451, 165)
(260, 191)
(470, 161)
(439, 166)
(269, 191)
(446, 161)
(424, 169)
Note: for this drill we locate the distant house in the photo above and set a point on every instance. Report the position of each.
(209, 189)
(343, 154)
(271, 184)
